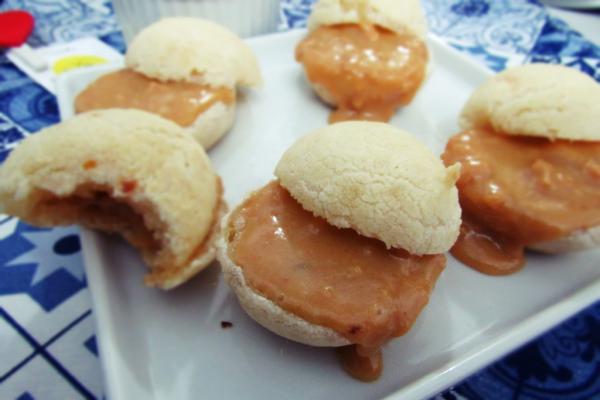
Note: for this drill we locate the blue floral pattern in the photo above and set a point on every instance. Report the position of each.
(471, 8)
(505, 26)
(43, 267)
(64, 20)
(558, 44)
(295, 13)
(563, 364)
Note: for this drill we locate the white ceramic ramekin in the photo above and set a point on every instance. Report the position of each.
(244, 17)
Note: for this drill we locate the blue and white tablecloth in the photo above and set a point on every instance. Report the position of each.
(47, 343)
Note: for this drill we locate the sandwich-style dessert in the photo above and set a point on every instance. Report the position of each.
(121, 171)
(530, 155)
(183, 69)
(346, 245)
(365, 58)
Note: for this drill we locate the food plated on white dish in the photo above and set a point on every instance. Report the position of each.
(197, 339)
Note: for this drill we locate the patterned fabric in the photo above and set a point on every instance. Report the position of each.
(47, 343)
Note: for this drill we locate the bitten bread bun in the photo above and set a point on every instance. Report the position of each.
(545, 100)
(377, 180)
(123, 171)
(394, 15)
(370, 177)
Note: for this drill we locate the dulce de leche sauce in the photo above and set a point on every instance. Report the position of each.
(180, 102)
(329, 276)
(516, 191)
(367, 70)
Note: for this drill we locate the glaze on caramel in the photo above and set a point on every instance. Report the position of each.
(486, 251)
(367, 70)
(328, 276)
(516, 191)
(180, 102)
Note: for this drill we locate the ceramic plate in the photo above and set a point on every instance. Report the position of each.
(157, 345)
(574, 4)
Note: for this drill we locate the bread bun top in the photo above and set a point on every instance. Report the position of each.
(132, 157)
(546, 100)
(395, 15)
(193, 50)
(377, 180)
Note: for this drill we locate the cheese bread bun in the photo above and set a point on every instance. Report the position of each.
(121, 171)
(542, 101)
(184, 69)
(365, 58)
(343, 194)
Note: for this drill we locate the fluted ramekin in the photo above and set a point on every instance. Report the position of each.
(244, 17)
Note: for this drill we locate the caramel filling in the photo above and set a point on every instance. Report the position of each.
(367, 71)
(180, 102)
(516, 191)
(96, 207)
(328, 276)
(93, 205)
(360, 363)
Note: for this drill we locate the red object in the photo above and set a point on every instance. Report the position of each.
(15, 28)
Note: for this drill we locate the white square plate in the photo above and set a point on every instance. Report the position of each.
(157, 345)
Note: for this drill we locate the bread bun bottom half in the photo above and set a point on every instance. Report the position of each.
(585, 239)
(212, 124)
(266, 312)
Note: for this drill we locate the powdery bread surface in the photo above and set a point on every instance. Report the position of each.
(395, 15)
(123, 171)
(537, 100)
(193, 50)
(377, 180)
(267, 313)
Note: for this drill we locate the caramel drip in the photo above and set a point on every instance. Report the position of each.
(363, 364)
(487, 252)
